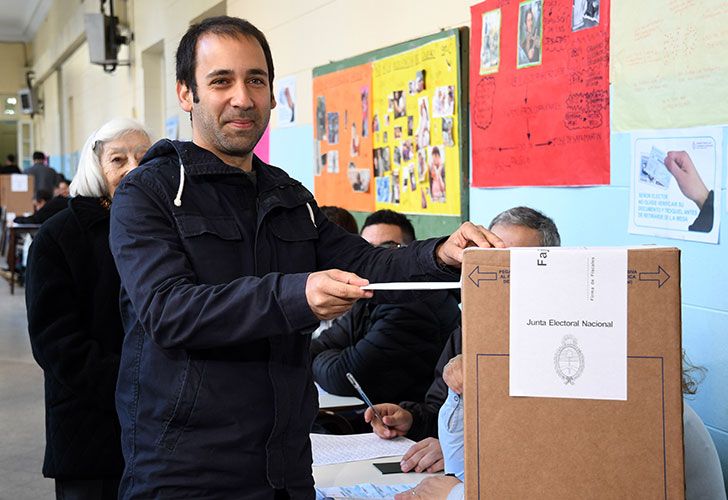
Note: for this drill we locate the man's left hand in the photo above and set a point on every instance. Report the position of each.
(467, 235)
(430, 488)
(423, 456)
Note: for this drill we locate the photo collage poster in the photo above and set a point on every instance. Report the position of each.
(415, 123)
(539, 93)
(343, 139)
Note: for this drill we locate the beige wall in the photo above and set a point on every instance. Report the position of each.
(302, 34)
(12, 67)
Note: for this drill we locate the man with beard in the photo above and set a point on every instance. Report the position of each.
(227, 264)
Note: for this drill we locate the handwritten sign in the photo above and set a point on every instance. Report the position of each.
(541, 118)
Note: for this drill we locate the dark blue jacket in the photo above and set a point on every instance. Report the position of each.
(215, 395)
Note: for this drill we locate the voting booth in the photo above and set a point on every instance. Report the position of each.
(573, 373)
(16, 193)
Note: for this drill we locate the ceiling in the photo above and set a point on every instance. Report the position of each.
(20, 19)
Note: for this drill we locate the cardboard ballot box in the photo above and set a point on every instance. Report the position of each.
(16, 193)
(564, 447)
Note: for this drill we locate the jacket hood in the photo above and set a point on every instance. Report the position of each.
(193, 160)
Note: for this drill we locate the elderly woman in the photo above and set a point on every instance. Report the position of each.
(72, 296)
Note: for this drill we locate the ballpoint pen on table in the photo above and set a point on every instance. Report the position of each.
(364, 397)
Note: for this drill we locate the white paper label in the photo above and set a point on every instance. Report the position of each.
(19, 183)
(568, 323)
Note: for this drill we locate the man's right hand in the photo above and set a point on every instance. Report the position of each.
(331, 293)
(398, 420)
(681, 166)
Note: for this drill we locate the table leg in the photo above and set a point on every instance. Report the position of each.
(11, 259)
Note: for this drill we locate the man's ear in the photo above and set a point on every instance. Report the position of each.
(185, 97)
(273, 102)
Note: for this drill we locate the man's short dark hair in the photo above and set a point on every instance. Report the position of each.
(395, 219)
(43, 194)
(39, 156)
(532, 219)
(341, 217)
(11, 158)
(226, 26)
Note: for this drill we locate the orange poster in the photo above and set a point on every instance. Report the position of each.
(343, 139)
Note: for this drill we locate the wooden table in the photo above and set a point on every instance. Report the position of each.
(14, 231)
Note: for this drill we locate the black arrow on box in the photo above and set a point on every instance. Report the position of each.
(476, 276)
(660, 276)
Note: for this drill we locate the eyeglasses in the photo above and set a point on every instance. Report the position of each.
(391, 244)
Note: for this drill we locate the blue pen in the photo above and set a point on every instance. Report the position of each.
(364, 397)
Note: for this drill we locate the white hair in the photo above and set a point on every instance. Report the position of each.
(89, 179)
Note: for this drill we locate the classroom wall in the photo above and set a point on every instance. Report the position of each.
(306, 34)
(12, 67)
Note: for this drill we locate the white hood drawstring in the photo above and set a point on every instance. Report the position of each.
(178, 198)
(310, 213)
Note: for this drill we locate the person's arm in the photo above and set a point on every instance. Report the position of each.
(424, 414)
(682, 168)
(178, 312)
(436, 259)
(61, 345)
(703, 223)
(387, 343)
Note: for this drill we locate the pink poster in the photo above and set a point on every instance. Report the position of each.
(262, 149)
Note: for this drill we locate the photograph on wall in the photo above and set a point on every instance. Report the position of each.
(320, 118)
(332, 161)
(443, 102)
(530, 28)
(383, 191)
(436, 168)
(548, 124)
(364, 93)
(286, 101)
(332, 127)
(490, 42)
(319, 160)
(359, 178)
(676, 183)
(585, 14)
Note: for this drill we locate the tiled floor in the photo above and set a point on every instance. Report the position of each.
(22, 432)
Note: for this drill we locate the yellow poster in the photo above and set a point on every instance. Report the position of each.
(415, 102)
(669, 63)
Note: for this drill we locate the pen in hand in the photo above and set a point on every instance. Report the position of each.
(364, 397)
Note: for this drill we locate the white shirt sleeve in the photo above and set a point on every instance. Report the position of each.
(457, 492)
(703, 475)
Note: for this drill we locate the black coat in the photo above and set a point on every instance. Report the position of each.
(215, 394)
(391, 349)
(72, 296)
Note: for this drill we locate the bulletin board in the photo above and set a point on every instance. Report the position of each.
(539, 80)
(390, 130)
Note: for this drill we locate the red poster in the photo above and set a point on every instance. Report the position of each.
(539, 87)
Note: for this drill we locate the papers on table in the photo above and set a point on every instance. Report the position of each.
(330, 401)
(367, 490)
(415, 285)
(331, 449)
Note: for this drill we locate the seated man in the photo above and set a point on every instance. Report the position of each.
(45, 206)
(517, 227)
(390, 349)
